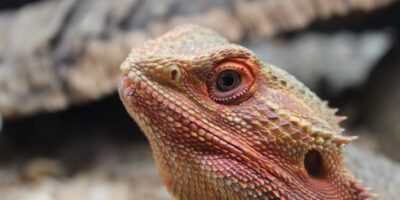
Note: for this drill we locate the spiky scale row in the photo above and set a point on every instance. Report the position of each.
(282, 142)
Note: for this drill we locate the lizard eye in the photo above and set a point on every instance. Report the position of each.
(230, 81)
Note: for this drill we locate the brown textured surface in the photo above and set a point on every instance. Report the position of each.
(283, 15)
(267, 137)
(119, 174)
(57, 53)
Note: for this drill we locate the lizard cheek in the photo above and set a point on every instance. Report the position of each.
(230, 82)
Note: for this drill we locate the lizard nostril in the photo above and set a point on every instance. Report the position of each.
(313, 164)
(174, 74)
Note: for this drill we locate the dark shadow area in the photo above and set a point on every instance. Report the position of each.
(15, 4)
(361, 21)
(74, 135)
(381, 105)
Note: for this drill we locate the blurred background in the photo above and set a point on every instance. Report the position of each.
(64, 134)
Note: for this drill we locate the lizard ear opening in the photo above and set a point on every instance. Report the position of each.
(313, 164)
(231, 81)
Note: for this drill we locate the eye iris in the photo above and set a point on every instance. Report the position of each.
(228, 80)
(231, 81)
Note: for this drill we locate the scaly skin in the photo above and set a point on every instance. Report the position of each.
(265, 136)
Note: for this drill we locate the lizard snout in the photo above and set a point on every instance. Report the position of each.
(167, 72)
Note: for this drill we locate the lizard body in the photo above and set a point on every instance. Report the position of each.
(222, 124)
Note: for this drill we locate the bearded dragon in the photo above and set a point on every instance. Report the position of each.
(222, 124)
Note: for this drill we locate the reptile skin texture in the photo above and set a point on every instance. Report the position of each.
(222, 124)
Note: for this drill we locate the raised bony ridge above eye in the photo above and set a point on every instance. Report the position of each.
(232, 81)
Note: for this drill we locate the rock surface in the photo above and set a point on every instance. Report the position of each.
(382, 103)
(340, 60)
(57, 53)
(375, 171)
(126, 175)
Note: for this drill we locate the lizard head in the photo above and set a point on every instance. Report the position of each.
(222, 123)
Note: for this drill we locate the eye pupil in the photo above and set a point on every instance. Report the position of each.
(228, 80)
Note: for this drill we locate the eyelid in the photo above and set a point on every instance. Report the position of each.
(238, 94)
